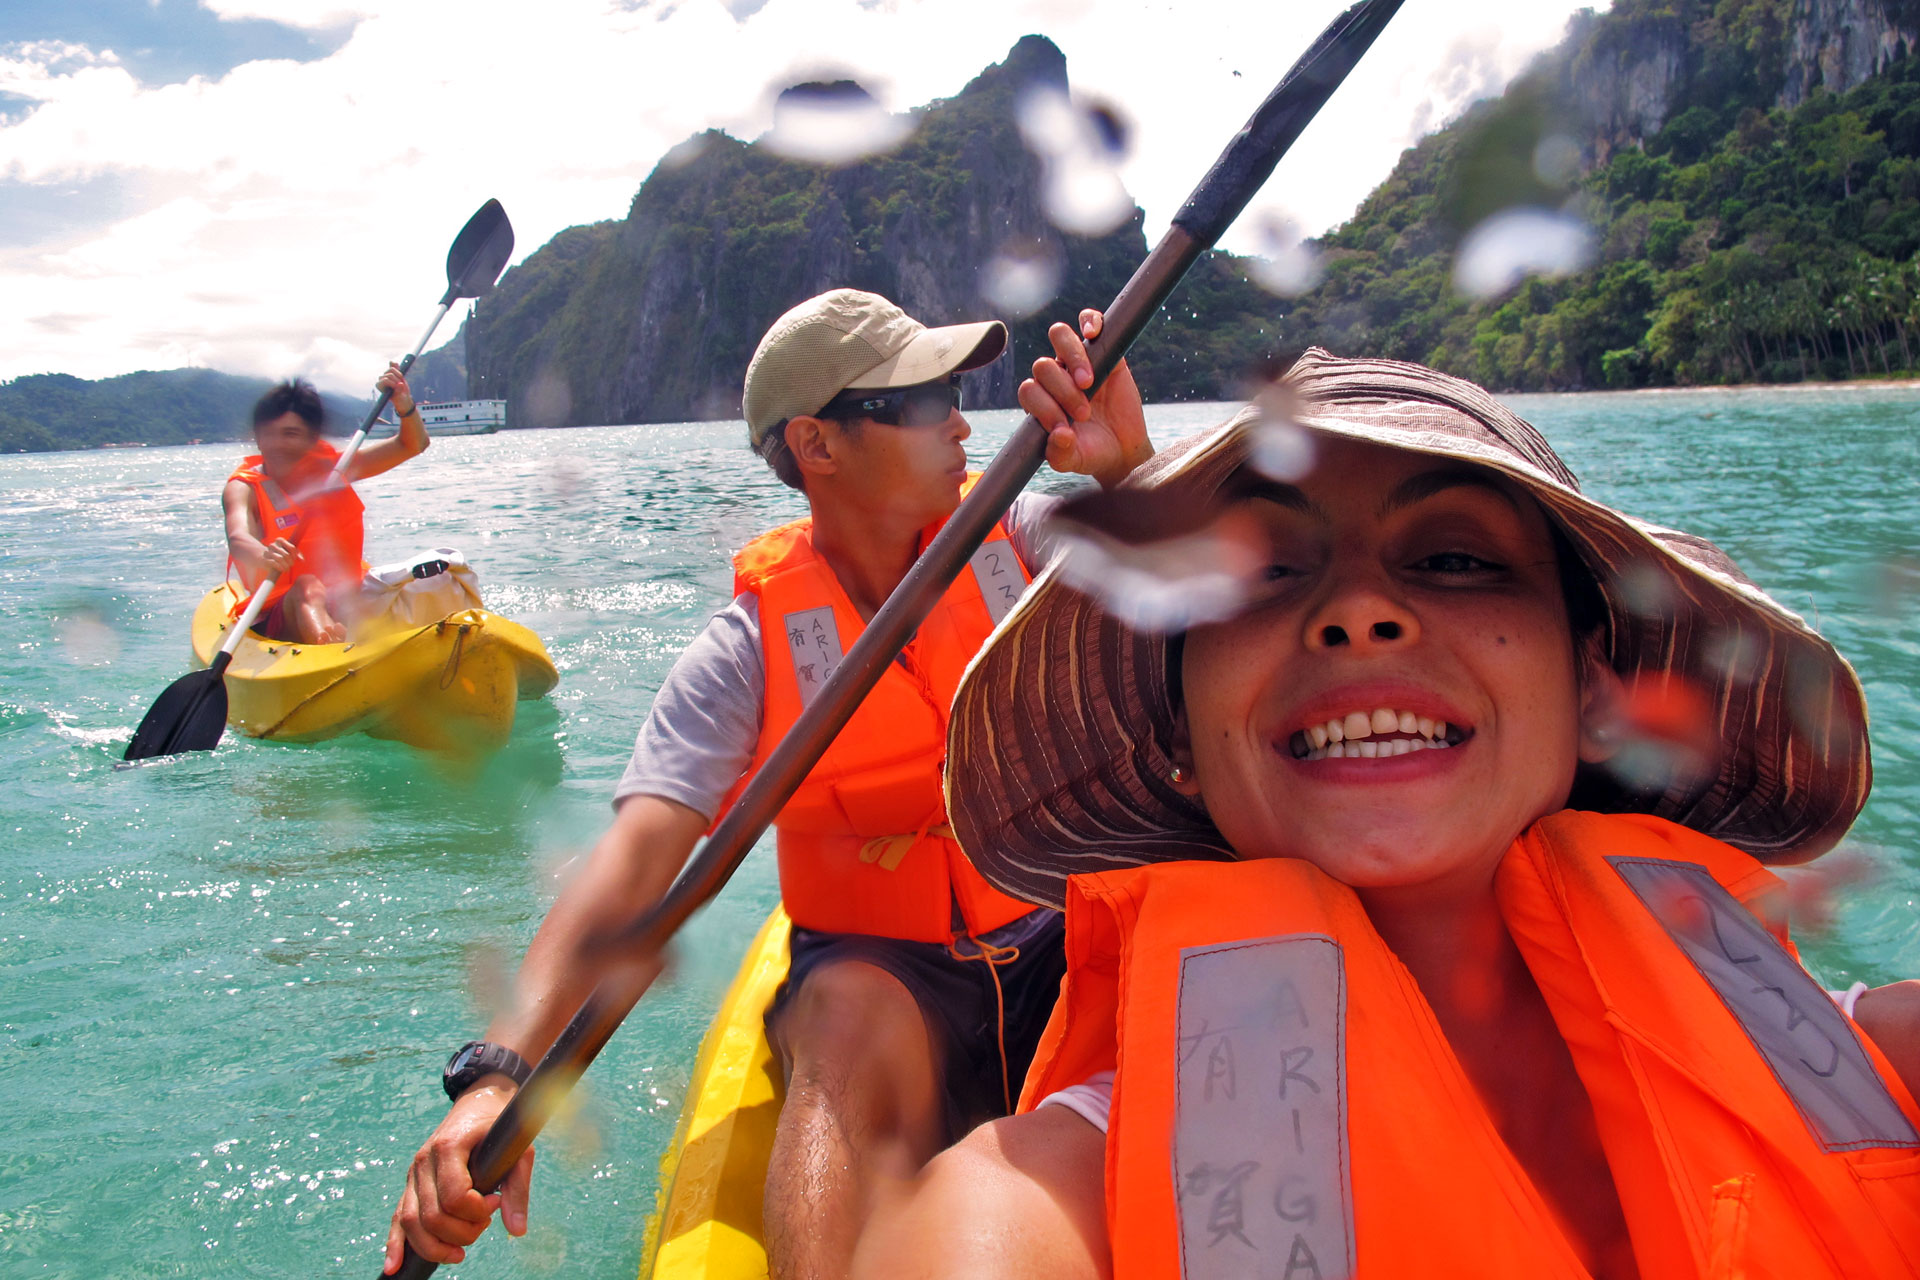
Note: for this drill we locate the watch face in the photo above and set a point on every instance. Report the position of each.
(463, 1059)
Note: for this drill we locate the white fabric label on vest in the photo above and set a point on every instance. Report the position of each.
(1794, 1024)
(814, 641)
(998, 573)
(1260, 1125)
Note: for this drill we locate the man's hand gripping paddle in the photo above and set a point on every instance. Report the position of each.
(1239, 172)
(192, 714)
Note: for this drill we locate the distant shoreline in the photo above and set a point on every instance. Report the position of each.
(1739, 388)
(1860, 384)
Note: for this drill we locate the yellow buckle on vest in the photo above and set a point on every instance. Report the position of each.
(889, 851)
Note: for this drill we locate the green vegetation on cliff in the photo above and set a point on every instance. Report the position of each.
(1742, 242)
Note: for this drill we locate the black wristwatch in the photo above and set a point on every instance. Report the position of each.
(477, 1059)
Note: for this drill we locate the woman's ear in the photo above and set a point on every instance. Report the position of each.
(1602, 699)
(807, 442)
(1181, 749)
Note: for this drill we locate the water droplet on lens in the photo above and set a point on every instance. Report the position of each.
(1180, 585)
(1109, 128)
(1644, 590)
(835, 124)
(86, 638)
(1516, 243)
(1086, 198)
(1278, 445)
(1556, 160)
(1285, 264)
(1047, 122)
(1078, 149)
(683, 153)
(1022, 278)
(549, 401)
(1734, 654)
(1158, 577)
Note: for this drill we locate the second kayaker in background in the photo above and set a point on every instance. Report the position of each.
(285, 521)
(917, 992)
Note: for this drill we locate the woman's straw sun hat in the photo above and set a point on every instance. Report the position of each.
(1058, 754)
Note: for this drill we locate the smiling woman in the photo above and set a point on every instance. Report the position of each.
(1401, 1010)
(1432, 594)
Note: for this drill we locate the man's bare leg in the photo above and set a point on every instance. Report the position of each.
(306, 607)
(862, 1115)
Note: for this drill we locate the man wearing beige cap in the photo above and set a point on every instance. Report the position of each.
(917, 992)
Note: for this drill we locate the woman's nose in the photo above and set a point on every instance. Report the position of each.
(1362, 617)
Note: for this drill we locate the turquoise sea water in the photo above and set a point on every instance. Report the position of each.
(228, 981)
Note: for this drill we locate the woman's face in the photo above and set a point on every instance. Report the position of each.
(1401, 702)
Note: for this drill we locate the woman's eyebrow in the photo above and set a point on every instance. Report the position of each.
(1425, 485)
(1277, 492)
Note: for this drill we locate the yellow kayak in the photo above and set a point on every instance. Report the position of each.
(714, 1175)
(448, 685)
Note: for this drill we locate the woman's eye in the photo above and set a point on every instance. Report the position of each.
(1276, 572)
(1456, 562)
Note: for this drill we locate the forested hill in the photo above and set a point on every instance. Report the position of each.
(1750, 170)
(173, 406)
(653, 318)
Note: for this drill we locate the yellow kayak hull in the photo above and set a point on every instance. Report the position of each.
(714, 1176)
(447, 686)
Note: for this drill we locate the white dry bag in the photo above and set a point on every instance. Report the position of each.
(421, 590)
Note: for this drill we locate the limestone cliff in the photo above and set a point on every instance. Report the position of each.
(1838, 44)
(653, 318)
(1622, 76)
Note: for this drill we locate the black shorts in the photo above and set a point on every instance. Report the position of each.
(956, 998)
(273, 622)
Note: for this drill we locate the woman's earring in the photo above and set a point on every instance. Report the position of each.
(1178, 775)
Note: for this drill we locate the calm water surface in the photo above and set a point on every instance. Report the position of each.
(228, 981)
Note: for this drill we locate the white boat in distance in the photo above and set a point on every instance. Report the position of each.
(454, 418)
(464, 417)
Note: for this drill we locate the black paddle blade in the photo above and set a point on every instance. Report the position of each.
(190, 716)
(479, 253)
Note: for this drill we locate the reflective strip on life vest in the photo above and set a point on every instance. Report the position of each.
(1260, 1126)
(1000, 577)
(1790, 1019)
(813, 639)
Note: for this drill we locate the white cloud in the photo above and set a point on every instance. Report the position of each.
(312, 14)
(298, 214)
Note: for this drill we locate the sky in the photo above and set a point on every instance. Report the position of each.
(269, 187)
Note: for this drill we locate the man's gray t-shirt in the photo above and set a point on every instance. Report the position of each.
(705, 722)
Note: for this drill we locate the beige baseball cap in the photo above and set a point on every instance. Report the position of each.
(848, 338)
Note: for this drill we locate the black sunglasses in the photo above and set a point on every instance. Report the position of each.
(925, 405)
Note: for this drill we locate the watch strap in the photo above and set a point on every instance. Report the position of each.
(477, 1059)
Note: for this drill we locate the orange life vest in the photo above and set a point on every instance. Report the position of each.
(863, 844)
(1285, 1103)
(326, 522)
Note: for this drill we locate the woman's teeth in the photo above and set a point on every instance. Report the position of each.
(1368, 735)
